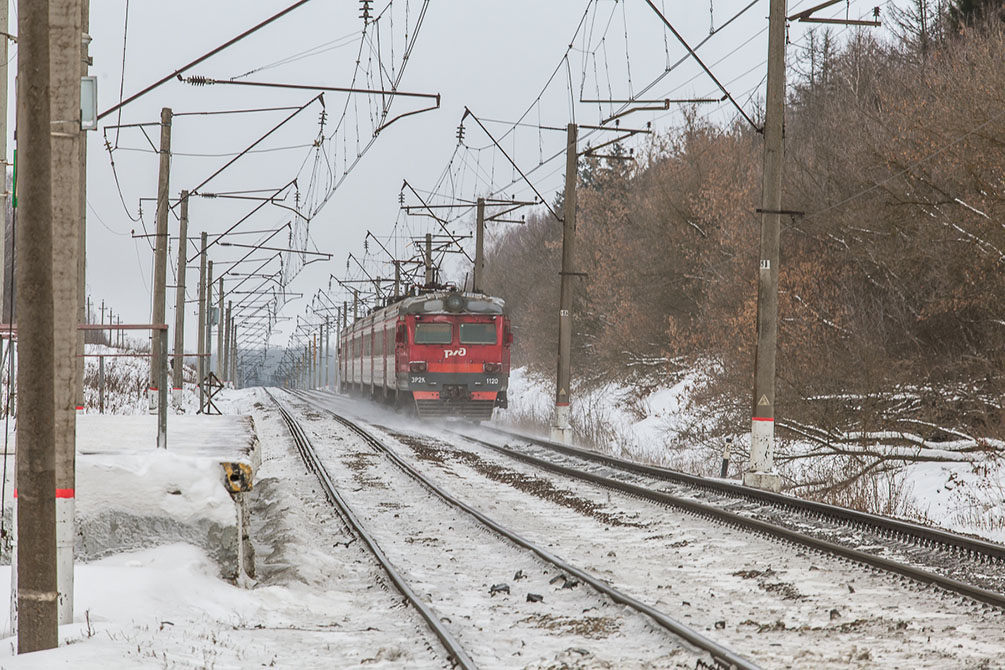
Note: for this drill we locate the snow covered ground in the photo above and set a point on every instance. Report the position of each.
(320, 601)
(780, 606)
(964, 493)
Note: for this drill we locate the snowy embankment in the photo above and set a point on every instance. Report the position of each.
(958, 484)
(316, 602)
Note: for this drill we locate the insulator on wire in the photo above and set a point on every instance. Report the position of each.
(364, 10)
(460, 133)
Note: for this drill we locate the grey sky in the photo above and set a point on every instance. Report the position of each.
(493, 57)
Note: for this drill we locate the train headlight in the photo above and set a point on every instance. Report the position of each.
(454, 303)
(492, 367)
(417, 366)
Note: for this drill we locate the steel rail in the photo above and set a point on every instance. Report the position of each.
(922, 535)
(748, 523)
(721, 655)
(310, 457)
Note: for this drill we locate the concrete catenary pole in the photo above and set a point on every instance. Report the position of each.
(209, 318)
(64, 96)
(162, 394)
(5, 29)
(561, 430)
(476, 285)
(37, 608)
(178, 370)
(227, 344)
(233, 350)
(201, 349)
(760, 471)
(328, 351)
(85, 62)
(160, 261)
(429, 260)
(219, 329)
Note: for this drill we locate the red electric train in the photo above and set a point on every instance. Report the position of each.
(446, 351)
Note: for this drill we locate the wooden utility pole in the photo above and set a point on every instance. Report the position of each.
(760, 472)
(178, 371)
(37, 607)
(476, 285)
(64, 104)
(201, 362)
(160, 261)
(561, 430)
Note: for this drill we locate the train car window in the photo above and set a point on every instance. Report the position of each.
(401, 335)
(478, 333)
(433, 333)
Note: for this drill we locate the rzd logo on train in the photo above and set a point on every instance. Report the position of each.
(447, 353)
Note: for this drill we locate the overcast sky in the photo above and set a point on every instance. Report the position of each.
(494, 57)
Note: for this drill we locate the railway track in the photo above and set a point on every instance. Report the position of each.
(456, 653)
(868, 609)
(906, 531)
(708, 653)
(927, 555)
(968, 566)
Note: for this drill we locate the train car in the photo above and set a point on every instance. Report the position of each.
(445, 352)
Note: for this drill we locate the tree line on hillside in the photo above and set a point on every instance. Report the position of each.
(892, 282)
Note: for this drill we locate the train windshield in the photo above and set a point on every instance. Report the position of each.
(433, 333)
(478, 333)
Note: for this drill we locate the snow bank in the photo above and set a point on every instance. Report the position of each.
(965, 494)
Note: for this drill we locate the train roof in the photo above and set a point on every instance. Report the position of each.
(443, 302)
(437, 303)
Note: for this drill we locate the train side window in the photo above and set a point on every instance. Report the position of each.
(433, 333)
(478, 333)
(401, 335)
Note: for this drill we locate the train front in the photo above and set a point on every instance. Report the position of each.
(457, 355)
